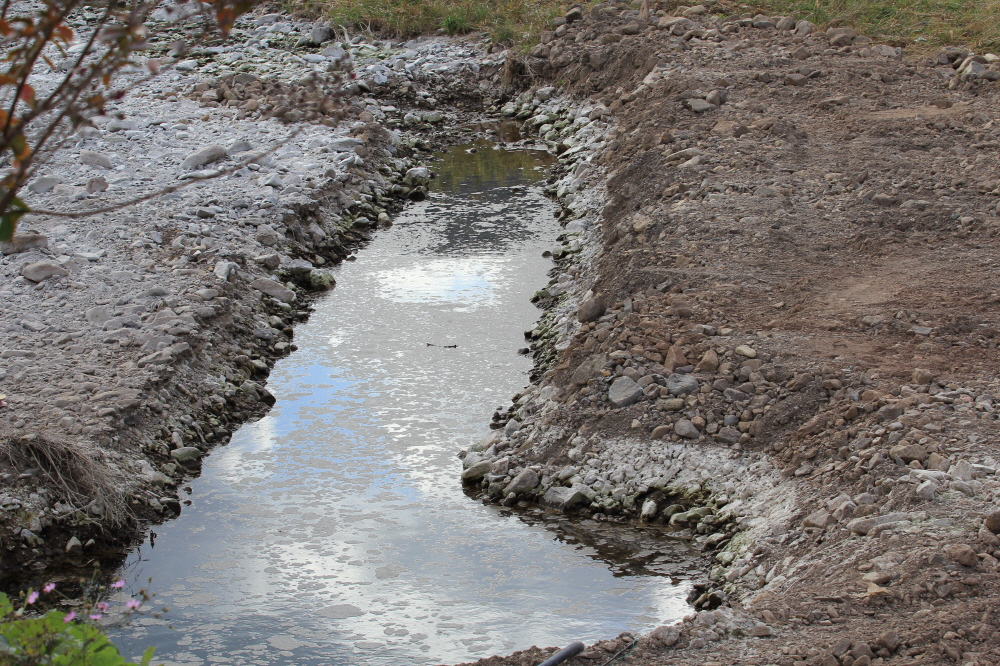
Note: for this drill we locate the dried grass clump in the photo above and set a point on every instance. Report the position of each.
(75, 471)
(517, 22)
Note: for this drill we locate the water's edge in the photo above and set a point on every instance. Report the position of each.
(357, 518)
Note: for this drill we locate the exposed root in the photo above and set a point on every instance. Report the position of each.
(513, 75)
(75, 470)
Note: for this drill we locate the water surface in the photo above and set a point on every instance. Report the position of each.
(334, 530)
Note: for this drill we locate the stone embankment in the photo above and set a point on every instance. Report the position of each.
(771, 326)
(137, 339)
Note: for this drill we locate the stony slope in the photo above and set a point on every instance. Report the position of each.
(773, 326)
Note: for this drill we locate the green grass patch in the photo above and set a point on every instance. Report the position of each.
(509, 21)
(913, 23)
(920, 23)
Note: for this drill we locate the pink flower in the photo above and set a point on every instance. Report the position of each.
(95, 616)
(118, 584)
(133, 604)
(33, 597)
(70, 617)
(49, 587)
(102, 606)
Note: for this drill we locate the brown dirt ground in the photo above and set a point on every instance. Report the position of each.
(777, 234)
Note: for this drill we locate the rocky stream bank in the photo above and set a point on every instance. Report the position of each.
(138, 339)
(769, 327)
(771, 323)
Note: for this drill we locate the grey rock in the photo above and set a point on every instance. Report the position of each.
(866, 524)
(888, 413)
(73, 546)
(24, 241)
(344, 145)
(962, 487)
(477, 471)
(588, 368)
(819, 519)
(269, 261)
(186, 454)
(43, 184)
(226, 270)
(274, 180)
(562, 498)
(299, 268)
(274, 289)
(240, 146)
(257, 391)
(591, 310)
(322, 280)
(96, 184)
(728, 435)
(334, 52)
(116, 125)
(544, 94)
(992, 522)
(161, 357)
(200, 158)
(90, 158)
(523, 482)
(624, 392)
(43, 270)
(98, 315)
(909, 452)
(417, 176)
(926, 490)
(698, 105)
(679, 385)
(666, 635)
(649, 509)
(686, 429)
(320, 34)
(961, 470)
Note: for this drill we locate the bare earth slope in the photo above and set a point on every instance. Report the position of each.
(775, 327)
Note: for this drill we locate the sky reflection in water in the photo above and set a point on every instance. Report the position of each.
(335, 531)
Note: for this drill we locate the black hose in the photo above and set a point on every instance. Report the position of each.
(567, 652)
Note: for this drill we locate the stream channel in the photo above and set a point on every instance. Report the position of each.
(335, 529)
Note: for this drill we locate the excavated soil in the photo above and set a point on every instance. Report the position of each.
(816, 245)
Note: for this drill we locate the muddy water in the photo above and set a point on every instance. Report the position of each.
(334, 530)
